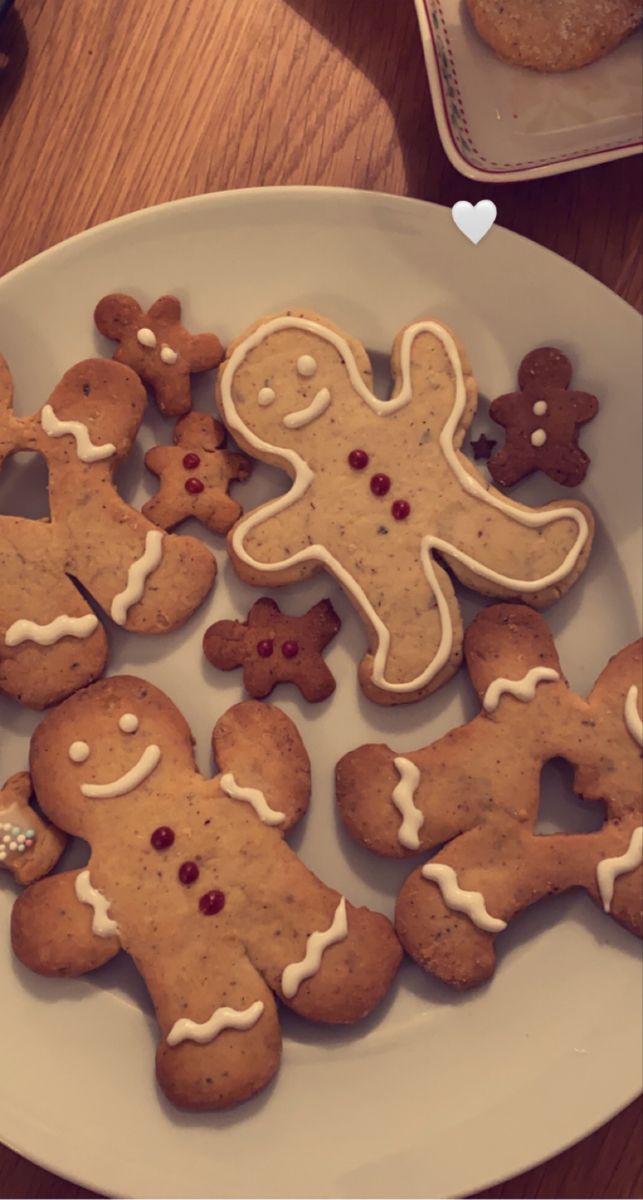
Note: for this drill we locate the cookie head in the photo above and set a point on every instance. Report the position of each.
(104, 749)
(545, 367)
(100, 404)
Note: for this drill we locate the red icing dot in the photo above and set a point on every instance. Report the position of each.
(211, 902)
(290, 649)
(190, 461)
(188, 873)
(358, 459)
(193, 486)
(380, 485)
(265, 648)
(400, 509)
(162, 837)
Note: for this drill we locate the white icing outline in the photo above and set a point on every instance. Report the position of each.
(102, 924)
(146, 337)
(402, 797)
(296, 973)
(304, 416)
(147, 763)
(46, 635)
(608, 871)
(86, 450)
(222, 1018)
(303, 477)
(522, 689)
(472, 904)
(631, 715)
(269, 816)
(137, 576)
(538, 437)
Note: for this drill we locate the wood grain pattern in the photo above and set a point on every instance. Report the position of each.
(107, 106)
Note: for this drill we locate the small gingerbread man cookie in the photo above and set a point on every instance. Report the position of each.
(195, 475)
(273, 647)
(29, 847)
(542, 422)
(158, 347)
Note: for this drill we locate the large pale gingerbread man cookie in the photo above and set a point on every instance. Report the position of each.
(192, 878)
(381, 496)
(51, 640)
(476, 792)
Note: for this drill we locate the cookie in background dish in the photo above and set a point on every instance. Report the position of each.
(554, 35)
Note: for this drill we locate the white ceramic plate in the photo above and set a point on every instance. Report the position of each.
(437, 1094)
(502, 123)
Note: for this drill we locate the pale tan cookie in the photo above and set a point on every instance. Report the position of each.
(195, 475)
(29, 847)
(477, 789)
(51, 641)
(158, 347)
(554, 35)
(381, 495)
(193, 879)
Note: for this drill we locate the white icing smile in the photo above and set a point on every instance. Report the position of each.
(304, 416)
(147, 763)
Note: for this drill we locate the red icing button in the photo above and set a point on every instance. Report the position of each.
(162, 837)
(290, 649)
(188, 872)
(191, 461)
(211, 902)
(400, 509)
(358, 459)
(380, 485)
(193, 486)
(265, 648)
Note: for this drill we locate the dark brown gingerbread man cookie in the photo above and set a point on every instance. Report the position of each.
(158, 347)
(542, 422)
(273, 647)
(195, 474)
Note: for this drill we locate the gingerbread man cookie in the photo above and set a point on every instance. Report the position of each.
(195, 475)
(476, 791)
(381, 496)
(29, 848)
(192, 878)
(51, 641)
(542, 421)
(273, 647)
(158, 347)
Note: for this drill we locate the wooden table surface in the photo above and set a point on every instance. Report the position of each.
(112, 105)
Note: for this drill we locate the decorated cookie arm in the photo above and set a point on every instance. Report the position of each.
(276, 787)
(271, 545)
(51, 642)
(29, 846)
(55, 930)
(220, 1038)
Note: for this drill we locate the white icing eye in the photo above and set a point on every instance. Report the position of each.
(147, 338)
(168, 355)
(78, 752)
(128, 723)
(265, 397)
(306, 365)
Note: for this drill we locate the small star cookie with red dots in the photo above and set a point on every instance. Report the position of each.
(158, 347)
(29, 846)
(542, 421)
(195, 474)
(381, 495)
(273, 647)
(193, 877)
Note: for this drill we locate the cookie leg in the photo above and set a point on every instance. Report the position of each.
(168, 507)
(221, 1041)
(533, 555)
(52, 931)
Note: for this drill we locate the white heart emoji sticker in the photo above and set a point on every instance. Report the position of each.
(474, 221)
